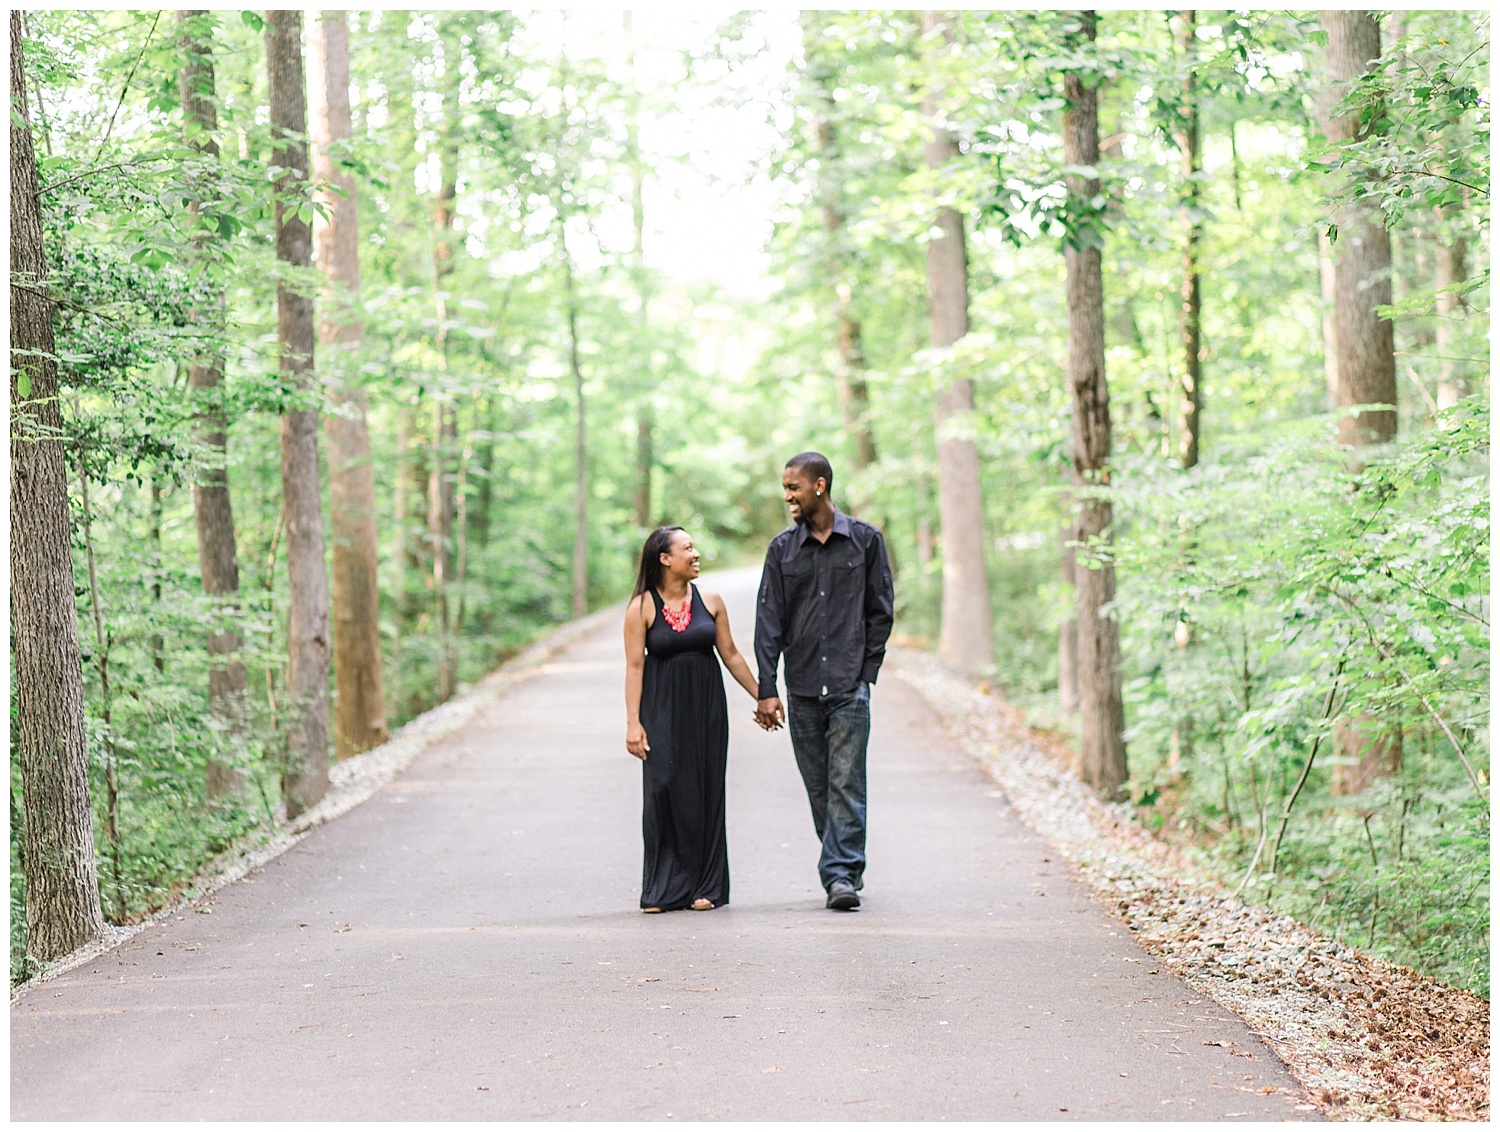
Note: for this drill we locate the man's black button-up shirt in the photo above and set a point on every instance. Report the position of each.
(827, 607)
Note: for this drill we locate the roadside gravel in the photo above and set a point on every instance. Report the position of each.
(1368, 1038)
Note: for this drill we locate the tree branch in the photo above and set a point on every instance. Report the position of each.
(91, 173)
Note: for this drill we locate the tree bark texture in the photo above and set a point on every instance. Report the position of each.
(305, 775)
(852, 384)
(1101, 708)
(359, 715)
(57, 836)
(1362, 253)
(213, 512)
(965, 636)
(580, 448)
(1190, 393)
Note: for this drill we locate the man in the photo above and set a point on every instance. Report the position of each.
(826, 604)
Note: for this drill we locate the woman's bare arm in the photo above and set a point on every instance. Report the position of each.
(635, 667)
(738, 667)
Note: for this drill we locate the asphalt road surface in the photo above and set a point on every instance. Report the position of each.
(467, 945)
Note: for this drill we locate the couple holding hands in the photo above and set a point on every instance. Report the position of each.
(826, 604)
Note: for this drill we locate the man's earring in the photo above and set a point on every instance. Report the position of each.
(817, 493)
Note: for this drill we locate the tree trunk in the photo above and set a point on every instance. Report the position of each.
(1067, 632)
(158, 642)
(411, 512)
(965, 634)
(1101, 709)
(1190, 395)
(645, 417)
(484, 461)
(213, 514)
(359, 720)
(57, 835)
(101, 659)
(305, 775)
(1362, 253)
(1330, 333)
(852, 383)
(643, 462)
(580, 447)
(1452, 270)
(1370, 751)
(443, 474)
(1366, 353)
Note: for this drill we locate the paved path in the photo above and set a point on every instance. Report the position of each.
(466, 945)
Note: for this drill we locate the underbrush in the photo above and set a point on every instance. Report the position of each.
(1284, 617)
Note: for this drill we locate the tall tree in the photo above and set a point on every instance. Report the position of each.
(645, 423)
(410, 507)
(443, 472)
(580, 433)
(57, 843)
(359, 717)
(1365, 342)
(1362, 251)
(1101, 708)
(965, 635)
(1330, 333)
(1190, 393)
(305, 775)
(213, 512)
(837, 268)
(1067, 631)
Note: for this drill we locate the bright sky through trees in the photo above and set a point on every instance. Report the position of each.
(709, 201)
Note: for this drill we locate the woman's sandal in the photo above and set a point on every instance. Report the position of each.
(702, 905)
(650, 909)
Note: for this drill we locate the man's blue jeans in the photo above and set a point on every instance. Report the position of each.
(829, 737)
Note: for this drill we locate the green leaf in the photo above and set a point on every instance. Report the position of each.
(23, 383)
(252, 21)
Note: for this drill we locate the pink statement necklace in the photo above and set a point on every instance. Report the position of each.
(679, 619)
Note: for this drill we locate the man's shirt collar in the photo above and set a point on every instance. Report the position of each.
(841, 526)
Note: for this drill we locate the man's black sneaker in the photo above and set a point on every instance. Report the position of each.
(842, 897)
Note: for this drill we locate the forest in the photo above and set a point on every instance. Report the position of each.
(352, 351)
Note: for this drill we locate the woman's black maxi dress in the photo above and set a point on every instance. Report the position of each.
(687, 724)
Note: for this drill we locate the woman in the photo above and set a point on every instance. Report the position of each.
(677, 723)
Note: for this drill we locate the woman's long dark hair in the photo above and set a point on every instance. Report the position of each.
(658, 542)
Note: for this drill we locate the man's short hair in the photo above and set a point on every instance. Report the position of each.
(813, 465)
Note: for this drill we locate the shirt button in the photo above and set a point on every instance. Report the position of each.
(825, 689)
(822, 594)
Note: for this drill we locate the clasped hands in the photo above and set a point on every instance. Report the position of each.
(769, 714)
